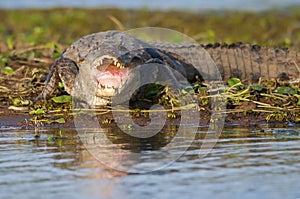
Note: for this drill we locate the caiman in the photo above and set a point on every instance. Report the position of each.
(112, 55)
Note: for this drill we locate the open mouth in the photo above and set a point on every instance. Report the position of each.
(109, 74)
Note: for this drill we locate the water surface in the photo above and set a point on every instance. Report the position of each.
(246, 163)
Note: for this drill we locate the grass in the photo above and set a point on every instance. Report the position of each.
(65, 25)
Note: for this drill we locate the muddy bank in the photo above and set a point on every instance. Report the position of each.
(14, 119)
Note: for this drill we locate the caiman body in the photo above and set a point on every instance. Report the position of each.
(112, 55)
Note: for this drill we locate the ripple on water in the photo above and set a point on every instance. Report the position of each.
(252, 163)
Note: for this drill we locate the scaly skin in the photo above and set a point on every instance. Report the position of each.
(245, 61)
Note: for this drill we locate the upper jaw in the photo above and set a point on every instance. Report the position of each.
(105, 60)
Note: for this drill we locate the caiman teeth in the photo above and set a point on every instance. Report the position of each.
(115, 61)
(118, 64)
(105, 86)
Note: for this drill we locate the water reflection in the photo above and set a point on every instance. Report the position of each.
(120, 151)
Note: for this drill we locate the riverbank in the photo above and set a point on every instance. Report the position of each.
(30, 40)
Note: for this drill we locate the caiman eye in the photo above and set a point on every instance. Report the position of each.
(130, 57)
(136, 59)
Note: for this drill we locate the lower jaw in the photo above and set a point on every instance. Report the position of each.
(101, 101)
(103, 96)
(108, 92)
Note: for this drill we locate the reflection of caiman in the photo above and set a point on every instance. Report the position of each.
(112, 55)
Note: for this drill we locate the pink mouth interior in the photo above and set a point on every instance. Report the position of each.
(111, 77)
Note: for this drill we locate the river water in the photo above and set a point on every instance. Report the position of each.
(255, 162)
(153, 4)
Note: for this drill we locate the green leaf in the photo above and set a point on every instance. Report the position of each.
(234, 81)
(187, 90)
(51, 138)
(62, 99)
(3, 62)
(287, 41)
(16, 101)
(25, 102)
(56, 55)
(10, 42)
(8, 71)
(61, 85)
(4, 59)
(37, 112)
(183, 91)
(256, 87)
(286, 90)
(200, 89)
(61, 120)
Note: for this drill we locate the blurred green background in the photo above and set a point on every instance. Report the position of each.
(64, 25)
